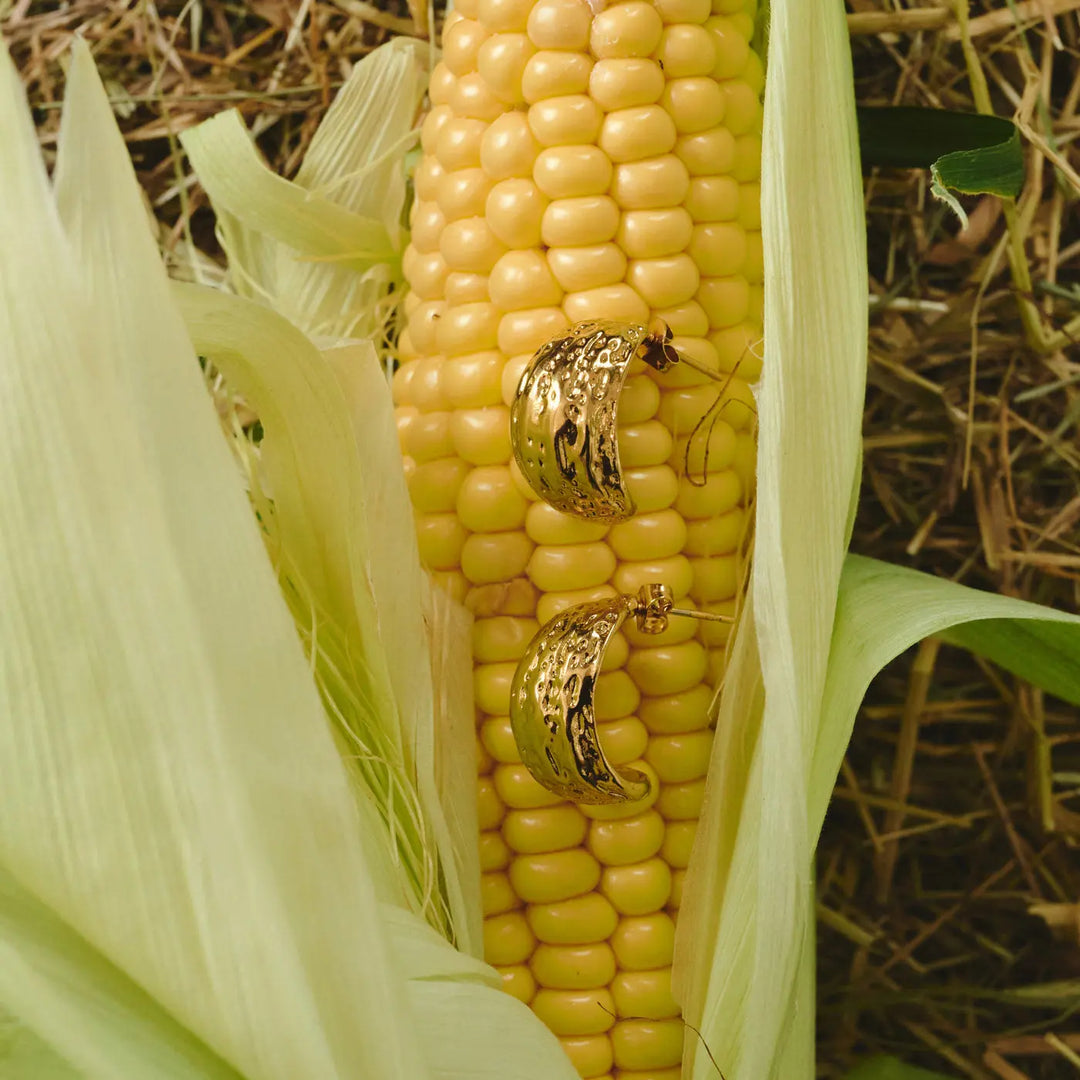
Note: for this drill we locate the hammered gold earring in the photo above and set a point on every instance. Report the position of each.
(562, 419)
(551, 700)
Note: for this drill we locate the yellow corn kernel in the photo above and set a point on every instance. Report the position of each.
(678, 840)
(461, 46)
(472, 381)
(642, 942)
(716, 578)
(642, 131)
(644, 995)
(623, 740)
(678, 877)
(653, 234)
(616, 696)
(504, 15)
(492, 557)
(554, 603)
(508, 148)
(488, 501)
(518, 790)
(501, 62)
(573, 967)
(497, 895)
(653, 488)
(572, 566)
(713, 634)
(565, 121)
(554, 876)
(515, 209)
(639, 400)
(665, 282)
(667, 669)
(559, 24)
(694, 104)
(686, 50)
(461, 194)
(687, 319)
(651, 184)
(546, 525)
(632, 840)
(630, 29)
(525, 331)
(703, 153)
(498, 740)
(579, 221)
(571, 172)
(677, 758)
(458, 144)
(713, 198)
(590, 267)
(683, 11)
(642, 445)
(433, 487)
(681, 802)
(550, 828)
(575, 1012)
(491, 687)
(518, 982)
(674, 714)
(591, 1055)
(522, 279)
(639, 888)
(494, 851)
(719, 494)
(625, 83)
(619, 302)
(440, 538)
(647, 1044)
(551, 73)
(482, 436)
(508, 939)
(489, 807)
(581, 920)
(615, 657)
(675, 572)
(502, 637)
(732, 48)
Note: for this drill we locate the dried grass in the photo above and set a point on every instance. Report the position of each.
(949, 893)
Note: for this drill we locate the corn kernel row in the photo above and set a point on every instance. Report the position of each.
(582, 167)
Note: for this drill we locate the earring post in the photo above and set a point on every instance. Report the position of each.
(707, 616)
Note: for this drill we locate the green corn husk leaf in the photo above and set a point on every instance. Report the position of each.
(334, 508)
(324, 249)
(189, 884)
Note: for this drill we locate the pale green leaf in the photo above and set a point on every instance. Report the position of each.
(81, 1005)
(324, 249)
(339, 527)
(884, 609)
(172, 792)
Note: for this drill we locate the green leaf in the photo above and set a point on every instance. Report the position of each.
(884, 609)
(890, 1068)
(965, 152)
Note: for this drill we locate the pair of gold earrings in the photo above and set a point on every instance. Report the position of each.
(564, 434)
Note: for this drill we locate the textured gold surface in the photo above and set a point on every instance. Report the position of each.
(563, 417)
(551, 703)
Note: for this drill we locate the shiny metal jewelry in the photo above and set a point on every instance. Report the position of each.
(551, 701)
(562, 419)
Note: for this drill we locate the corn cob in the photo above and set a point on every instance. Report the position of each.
(579, 166)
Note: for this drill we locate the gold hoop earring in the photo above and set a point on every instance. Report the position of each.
(562, 419)
(551, 700)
